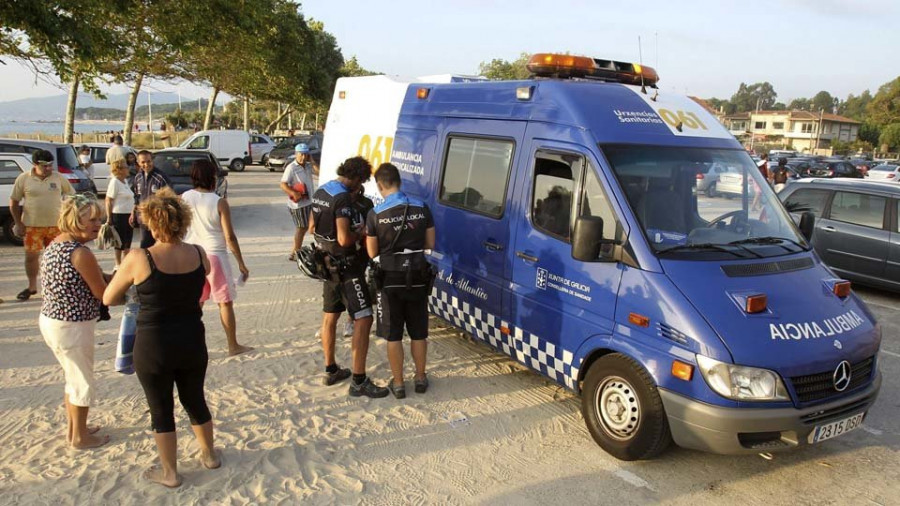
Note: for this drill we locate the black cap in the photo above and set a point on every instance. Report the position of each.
(41, 155)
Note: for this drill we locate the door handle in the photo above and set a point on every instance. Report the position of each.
(492, 246)
(829, 229)
(526, 256)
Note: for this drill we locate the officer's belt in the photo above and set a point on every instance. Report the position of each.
(403, 262)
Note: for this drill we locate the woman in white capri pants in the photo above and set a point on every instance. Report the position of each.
(73, 285)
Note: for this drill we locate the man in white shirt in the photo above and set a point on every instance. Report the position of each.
(117, 151)
(297, 182)
(84, 157)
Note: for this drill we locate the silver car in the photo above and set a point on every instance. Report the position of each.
(708, 177)
(856, 231)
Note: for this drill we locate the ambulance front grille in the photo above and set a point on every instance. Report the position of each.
(744, 270)
(819, 387)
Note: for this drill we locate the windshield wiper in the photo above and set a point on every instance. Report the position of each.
(770, 240)
(706, 245)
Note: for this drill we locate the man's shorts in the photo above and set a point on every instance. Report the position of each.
(399, 307)
(38, 238)
(351, 295)
(300, 217)
(219, 284)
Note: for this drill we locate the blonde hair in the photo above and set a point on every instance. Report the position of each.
(73, 208)
(166, 215)
(119, 168)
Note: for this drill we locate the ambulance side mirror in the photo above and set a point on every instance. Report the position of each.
(807, 224)
(587, 238)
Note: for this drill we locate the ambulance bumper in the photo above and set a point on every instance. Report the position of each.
(722, 430)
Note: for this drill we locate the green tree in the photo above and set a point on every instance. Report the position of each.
(754, 96)
(855, 106)
(869, 132)
(823, 101)
(884, 109)
(721, 105)
(800, 104)
(352, 68)
(890, 136)
(68, 39)
(502, 70)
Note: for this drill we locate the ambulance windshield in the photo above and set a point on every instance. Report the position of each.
(704, 203)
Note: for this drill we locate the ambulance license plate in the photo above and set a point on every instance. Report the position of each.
(835, 429)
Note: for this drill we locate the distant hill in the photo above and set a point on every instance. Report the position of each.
(54, 108)
(140, 113)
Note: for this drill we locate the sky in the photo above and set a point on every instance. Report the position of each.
(698, 47)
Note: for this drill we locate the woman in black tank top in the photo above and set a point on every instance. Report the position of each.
(170, 345)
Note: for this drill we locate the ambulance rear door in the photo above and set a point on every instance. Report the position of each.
(472, 218)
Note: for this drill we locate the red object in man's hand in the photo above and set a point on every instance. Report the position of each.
(300, 188)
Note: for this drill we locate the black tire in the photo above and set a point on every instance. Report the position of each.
(711, 190)
(237, 165)
(640, 430)
(264, 160)
(8, 232)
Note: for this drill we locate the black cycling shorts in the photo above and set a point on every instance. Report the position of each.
(351, 295)
(399, 307)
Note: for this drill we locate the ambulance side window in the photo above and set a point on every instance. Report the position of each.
(476, 172)
(594, 202)
(554, 193)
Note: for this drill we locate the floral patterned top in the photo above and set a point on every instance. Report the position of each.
(67, 296)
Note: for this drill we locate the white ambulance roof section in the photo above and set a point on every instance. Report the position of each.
(673, 109)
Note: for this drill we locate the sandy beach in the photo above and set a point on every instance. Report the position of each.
(489, 431)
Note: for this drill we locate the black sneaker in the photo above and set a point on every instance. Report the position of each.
(368, 389)
(333, 377)
(399, 391)
(422, 385)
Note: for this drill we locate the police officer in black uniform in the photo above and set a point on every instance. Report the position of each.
(398, 231)
(332, 213)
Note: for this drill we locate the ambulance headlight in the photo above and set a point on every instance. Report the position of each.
(741, 383)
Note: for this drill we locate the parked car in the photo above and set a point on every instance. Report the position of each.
(708, 177)
(834, 169)
(231, 148)
(284, 151)
(176, 163)
(98, 159)
(885, 172)
(853, 232)
(260, 146)
(11, 165)
(64, 156)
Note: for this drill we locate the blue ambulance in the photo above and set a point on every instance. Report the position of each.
(572, 238)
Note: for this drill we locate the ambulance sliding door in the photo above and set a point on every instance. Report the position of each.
(473, 222)
(558, 302)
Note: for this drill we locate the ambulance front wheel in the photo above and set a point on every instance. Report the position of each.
(622, 409)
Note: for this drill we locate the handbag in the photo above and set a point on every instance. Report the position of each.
(108, 237)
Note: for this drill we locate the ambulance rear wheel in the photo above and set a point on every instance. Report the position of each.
(622, 409)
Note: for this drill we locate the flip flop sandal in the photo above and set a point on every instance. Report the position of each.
(26, 294)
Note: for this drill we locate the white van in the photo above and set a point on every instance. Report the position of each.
(230, 147)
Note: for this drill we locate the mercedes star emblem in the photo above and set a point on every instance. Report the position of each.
(841, 376)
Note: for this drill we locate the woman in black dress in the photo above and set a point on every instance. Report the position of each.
(170, 345)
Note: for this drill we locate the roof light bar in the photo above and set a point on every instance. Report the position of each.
(566, 66)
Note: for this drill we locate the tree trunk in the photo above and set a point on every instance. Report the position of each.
(247, 114)
(207, 122)
(303, 122)
(129, 111)
(69, 133)
(280, 117)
